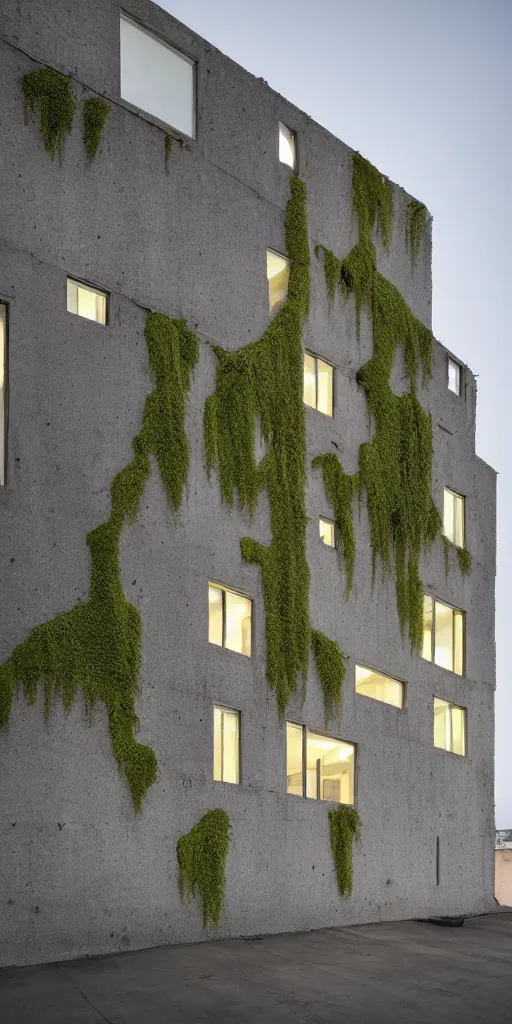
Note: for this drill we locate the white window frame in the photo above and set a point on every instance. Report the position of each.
(232, 711)
(320, 359)
(328, 736)
(333, 523)
(95, 290)
(174, 49)
(432, 661)
(451, 706)
(462, 498)
(392, 679)
(454, 362)
(239, 593)
(293, 133)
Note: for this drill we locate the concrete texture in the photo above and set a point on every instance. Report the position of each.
(399, 973)
(79, 874)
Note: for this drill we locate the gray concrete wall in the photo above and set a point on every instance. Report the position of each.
(79, 873)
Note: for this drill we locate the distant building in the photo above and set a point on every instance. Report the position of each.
(503, 867)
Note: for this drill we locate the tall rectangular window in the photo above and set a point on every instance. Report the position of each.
(443, 635)
(229, 619)
(86, 301)
(379, 687)
(226, 745)
(278, 274)
(319, 767)
(3, 393)
(327, 531)
(453, 517)
(449, 726)
(454, 376)
(287, 146)
(318, 384)
(157, 78)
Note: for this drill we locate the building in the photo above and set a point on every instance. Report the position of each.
(503, 867)
(182, 214)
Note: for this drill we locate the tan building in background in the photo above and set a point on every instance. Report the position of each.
(503, 868)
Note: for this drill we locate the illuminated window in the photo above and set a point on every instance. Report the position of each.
(443, 635)
(278, 273)
(319, 766)
(157, 78)
(449, 726)
(317, 384)
(379, 687)
(86, 301)
(226, 745)
(453, 517)
(454, 376)
(3, 393)
(327, 530)
(229, 619)
(287, 146)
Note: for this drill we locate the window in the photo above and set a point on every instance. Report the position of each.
(287, 146)
(379, 687)
(278, 273)
(3, 393)
(157, 78)
(449, 726)
(226, 745)
(317, 384)
(86, 301)
(454, 376)
(453, 517)
(443, 635)
(327, 530)
(229, 619)
(319, 766)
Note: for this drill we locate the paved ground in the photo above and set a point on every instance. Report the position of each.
(401, 973)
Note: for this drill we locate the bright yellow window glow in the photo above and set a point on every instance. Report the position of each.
(324, 396)
(449, 726)
(327, 532)
(215, 615)
(329, 769)
(87, 302)
(226, 745)
(3, 388)
(427, 627)
(443, 635)
(278, 273)
(458, 642)
(229, 619)
(294, 759)
(309, 380)
(443, 650)
(379, 687)
(287, 147)
(453, 517)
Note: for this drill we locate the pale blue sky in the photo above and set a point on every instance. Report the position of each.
(423, 88)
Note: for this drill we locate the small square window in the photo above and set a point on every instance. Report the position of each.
(379, 687)
(453, 517)
(318, 766)
(226, 745)
(86, 301)
(229, 619)
(3, 393)
(449, 726)
(327, 531)
(157, 78)
(287, 146)
(454, 376)
(443, 635)
(278, 274)
(318, 384)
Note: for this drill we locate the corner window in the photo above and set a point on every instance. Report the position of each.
(443, 635)
(454, 376)
(86, 301)
(157, 78)
(287, 146)
(278, 274)
(379, 687)
(453, 517)
(327, 531)
(3, 393)
(449, 726)
(319, 767)
(229, 619)
(318, 378)
(226, 745)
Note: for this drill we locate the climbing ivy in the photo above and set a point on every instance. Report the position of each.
(372, 197)
(168, 149)
(344, 827)
(50, 94)
(202, 859)
(332, 270)
(331, 672)
(416, 218)
(95, 113)
(96, 646)
(339, 491)
(465, 560)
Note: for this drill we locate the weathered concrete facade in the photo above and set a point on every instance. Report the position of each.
(79, 872)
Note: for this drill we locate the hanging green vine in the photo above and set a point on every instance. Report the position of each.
(372, 196)
(332, 270)
(96, 646)
(50, 95)
(465, 561)
(339, 491)
(202, 856)
(446, 547)
(168, 143)
(95, 113)
(416, 219)
(344, 827)
(331, 672)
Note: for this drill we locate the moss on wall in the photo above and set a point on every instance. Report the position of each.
(332, 270)
(331, 672)
(340, 488)
(344, 827)
(372, 197)
(416, 219)
(50, 95)
(202, 856)
(96, 646)
(465, 561)
(95, 113)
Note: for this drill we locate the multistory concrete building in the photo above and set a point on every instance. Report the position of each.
(276, 602)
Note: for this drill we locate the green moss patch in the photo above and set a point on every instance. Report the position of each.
(96, 646)
(332, 270)
(416, 219)
(50, 95)
(331, 672)
(95, 113)
(202, 856)
(339, 491)
(372, 196)
(344, 827)
(465, 561)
